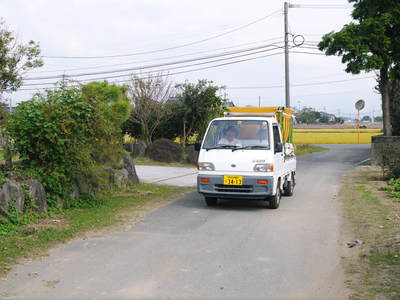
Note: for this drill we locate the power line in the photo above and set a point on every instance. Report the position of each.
(170, 48)
(181, 72)
(304, 52)
(154, 65)
(154, 59)
(298, 85)
(164, 70)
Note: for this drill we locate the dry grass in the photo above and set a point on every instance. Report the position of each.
(373, 268)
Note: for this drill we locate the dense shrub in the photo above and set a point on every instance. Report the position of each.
(62, 134)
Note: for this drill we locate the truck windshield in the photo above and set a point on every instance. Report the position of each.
(237, 134)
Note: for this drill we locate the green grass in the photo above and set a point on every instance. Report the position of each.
(374, 273)
(307, 149)
(142, 160)
(113, 211)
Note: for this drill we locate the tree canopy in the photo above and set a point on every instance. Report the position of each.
(370, 43)
(15, 59)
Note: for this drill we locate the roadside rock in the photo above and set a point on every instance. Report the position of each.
(192, 155)
(165, 150)
(121, 177)
(37, 194)
(136, 149)
(130, 167)
(12, 192)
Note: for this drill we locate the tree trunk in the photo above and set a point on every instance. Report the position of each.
(395, 106)
(384, 87)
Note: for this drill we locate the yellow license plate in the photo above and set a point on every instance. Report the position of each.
(233, 180)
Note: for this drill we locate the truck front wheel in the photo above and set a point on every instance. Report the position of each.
(275, 200)
(289, 187)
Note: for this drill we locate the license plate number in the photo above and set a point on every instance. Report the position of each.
(233, 180)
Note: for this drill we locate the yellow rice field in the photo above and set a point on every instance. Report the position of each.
(334, 136)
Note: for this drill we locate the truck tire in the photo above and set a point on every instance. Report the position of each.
(210, 201)
(289, 187)
(275, 200)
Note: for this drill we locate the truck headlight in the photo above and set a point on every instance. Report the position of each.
(206, 166)
(264, 168)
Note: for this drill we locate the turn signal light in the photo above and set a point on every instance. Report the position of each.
(205, 180)
(262, 181)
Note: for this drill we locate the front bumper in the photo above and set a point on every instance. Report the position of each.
(249, 190)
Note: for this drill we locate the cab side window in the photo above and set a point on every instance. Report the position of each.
(277, 137)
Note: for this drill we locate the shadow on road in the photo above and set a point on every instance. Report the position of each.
(195, 200)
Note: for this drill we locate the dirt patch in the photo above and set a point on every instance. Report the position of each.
(134, 193)
(42, 225)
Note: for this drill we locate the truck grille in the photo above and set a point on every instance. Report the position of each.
(233, 188)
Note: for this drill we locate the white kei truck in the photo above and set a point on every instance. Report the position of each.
(248, 154)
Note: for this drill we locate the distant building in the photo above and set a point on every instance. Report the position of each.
(228, 104)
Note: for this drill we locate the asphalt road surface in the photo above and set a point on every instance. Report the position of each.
(238, 250)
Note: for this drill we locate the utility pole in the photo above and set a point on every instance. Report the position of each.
(287, 79)
(259, 101)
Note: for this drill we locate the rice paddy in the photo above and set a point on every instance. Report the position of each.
(334, 136)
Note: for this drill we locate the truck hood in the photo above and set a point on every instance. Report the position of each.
(239, 160)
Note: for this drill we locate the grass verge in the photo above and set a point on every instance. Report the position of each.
(372, 268)
(308, 149)
(115, 212)
(142, 160)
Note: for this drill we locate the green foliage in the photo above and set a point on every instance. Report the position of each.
(394, 190)
(371, 43)
(196, 105)
(15, 59)
(308, 116)
(62, 134)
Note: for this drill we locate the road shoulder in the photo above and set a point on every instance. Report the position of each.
(370, 236)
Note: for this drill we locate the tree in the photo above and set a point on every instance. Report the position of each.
(149, 99)
(308, 116)
(366, 119)
(15, 59)
(378, 119)
(371, 43)
(113, 109)
(194, 108)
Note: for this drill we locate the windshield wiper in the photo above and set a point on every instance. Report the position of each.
(250, 147)
(233, 147)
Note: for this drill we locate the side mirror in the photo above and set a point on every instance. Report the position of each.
(278, 147)
(197, 146)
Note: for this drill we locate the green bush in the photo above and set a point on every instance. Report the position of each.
(65, 133)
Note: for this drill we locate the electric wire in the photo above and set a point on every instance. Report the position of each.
(60, 76)
(158, 58)
(176, 73)
(164, 70)
(169, 48)
(299, 85)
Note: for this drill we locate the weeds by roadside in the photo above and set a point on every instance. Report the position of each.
(373, 268)
(393, 189)
(307, 149)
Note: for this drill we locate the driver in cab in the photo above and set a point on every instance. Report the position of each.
(230, 137)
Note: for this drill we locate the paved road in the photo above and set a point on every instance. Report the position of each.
(185, 250)
(167, 175)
